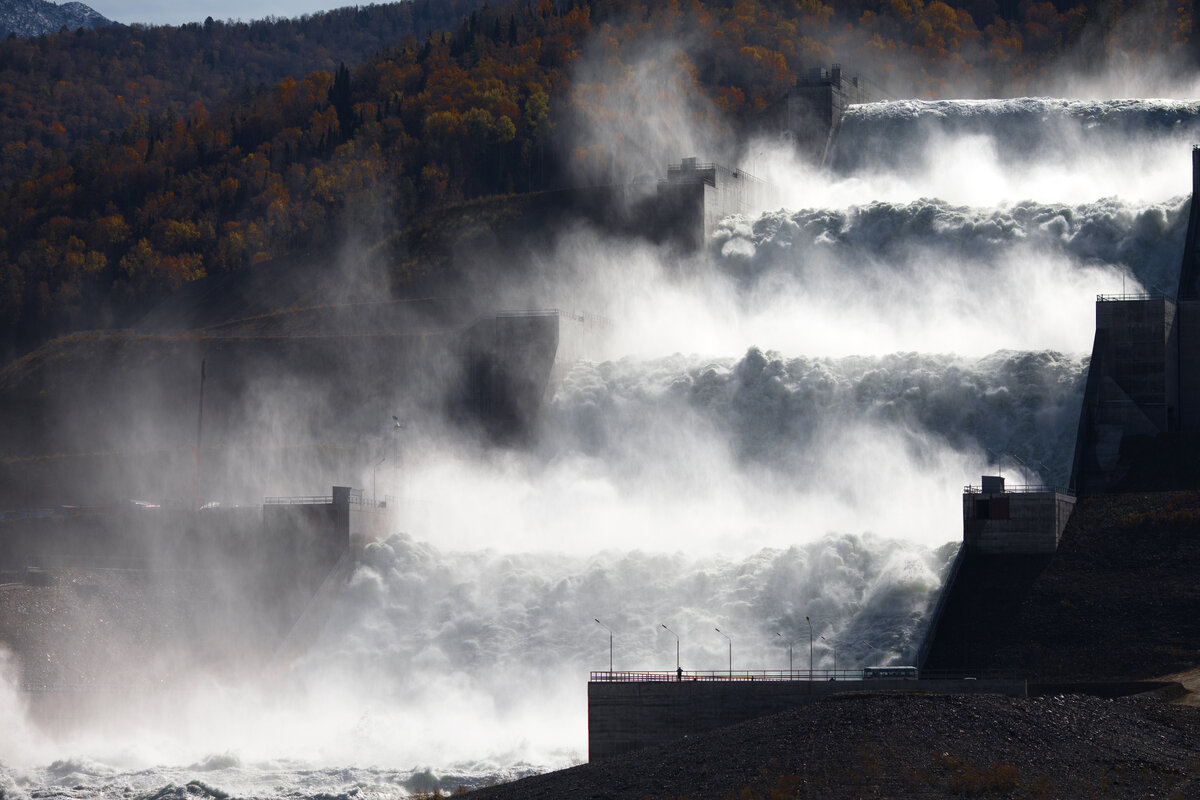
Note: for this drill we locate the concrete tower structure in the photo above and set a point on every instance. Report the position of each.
(695, 197)
(1140, 417)
(815, 106)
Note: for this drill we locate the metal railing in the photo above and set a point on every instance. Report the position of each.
(311, 500)
(1017, 488)
(1119, 298)
(727, 675)
(58, 511)
(368, 502)
(325, 500)
(677, 170)
(804, 675)
(576, 316)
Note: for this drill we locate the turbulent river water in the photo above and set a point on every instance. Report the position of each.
(783, 430)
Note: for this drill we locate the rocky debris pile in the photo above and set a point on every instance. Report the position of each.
(910, 745)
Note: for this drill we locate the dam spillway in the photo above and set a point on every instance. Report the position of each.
(815, 471)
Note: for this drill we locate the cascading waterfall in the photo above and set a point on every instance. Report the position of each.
(792, 445)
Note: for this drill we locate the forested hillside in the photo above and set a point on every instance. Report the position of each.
(59, 91)
(139, 159)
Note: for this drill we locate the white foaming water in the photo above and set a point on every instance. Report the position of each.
(783, 431)
(991, 152)
(725, 456)
(931, 276)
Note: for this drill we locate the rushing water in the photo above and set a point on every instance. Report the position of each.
(783, 432)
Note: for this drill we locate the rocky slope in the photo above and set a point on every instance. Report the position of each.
(910, 745)
(26, 18)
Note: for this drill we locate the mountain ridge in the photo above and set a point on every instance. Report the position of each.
(29, 18)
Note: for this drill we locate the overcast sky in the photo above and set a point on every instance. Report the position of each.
(177, 12)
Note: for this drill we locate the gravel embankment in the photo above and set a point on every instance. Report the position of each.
(910, 745)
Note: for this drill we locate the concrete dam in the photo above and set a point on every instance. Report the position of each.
(730, 487)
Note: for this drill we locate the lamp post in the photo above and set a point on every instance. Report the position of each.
(610, 637)
(397, 456)
(718, 630)
(676, 635)
(374, 501)
(868, 644)
(789, 646)
(1028, 469)
(999, 460)
(832, 644)
(810, 647)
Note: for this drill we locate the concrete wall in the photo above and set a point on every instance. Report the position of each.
(580, 336)
(1140, 364)
(815, 106)
(679, 213)
(370, 523)
(694, 199)
(1143, 383)
(266, 560)
(1189, 272)
(507, 361)
(128, 538)
(628, 716)
(939, 608)
(1032, 522)
(1187, 324)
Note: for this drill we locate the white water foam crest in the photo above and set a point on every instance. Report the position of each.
(995, 153)
(1054, 149)
(728, 456)
(1144, 239)
(926, 276)
(932, 276)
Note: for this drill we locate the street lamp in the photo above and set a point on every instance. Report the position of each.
(718, 630)
(676, 635)
(602, 625)
(1028, 469)
(377, 463)
(834, 646)
(868, 644)
(397, 456)
(999, 460)
(810, 647)
(789, 645)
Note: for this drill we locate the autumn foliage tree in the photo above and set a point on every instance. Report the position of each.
(139, 159)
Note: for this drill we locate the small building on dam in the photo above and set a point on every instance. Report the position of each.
(1016, 520)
